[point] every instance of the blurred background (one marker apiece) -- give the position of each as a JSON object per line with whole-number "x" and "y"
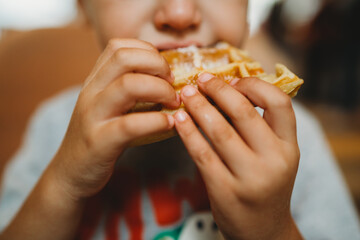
{"x": 46, "y": 46}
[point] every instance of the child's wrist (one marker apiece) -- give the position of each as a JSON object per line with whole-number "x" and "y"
{"x": 76, "y": 176}
{"x": 57, "y": 190}
{"x": 290, "y": 231}
{"x": 56, "y": 185}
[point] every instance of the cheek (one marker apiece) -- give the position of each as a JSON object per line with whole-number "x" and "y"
{"x": 120, "y": 28}
{"x": 117, "y": 27}
{"x": 228, "y": 19}
{"x": 116, "y": 21}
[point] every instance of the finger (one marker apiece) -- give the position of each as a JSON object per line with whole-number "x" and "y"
{"x": 121, "y": 95}
{"x": 122, "y": 130}
{"x": 126, "y": 60}
{"x": 227, "y": 143}
{"x": 114, "y": 45}
{"x": 212, "y": 169}
{"x": 278, "y": 111}
{"x": 247, "y": 121}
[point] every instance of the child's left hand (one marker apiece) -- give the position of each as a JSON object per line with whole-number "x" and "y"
{"x": 251, "y": 167}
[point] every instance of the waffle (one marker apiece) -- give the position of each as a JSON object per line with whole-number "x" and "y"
{"x": 223, "y": 61}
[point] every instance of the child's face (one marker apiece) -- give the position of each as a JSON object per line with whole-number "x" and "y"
{"x": 170, "y": 23}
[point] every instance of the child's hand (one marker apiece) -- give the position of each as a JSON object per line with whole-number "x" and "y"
{"x": 250, "y": 170}
{"x": 128, "y": 71}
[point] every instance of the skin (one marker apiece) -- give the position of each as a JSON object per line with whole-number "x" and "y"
{"x": 256, "y": 176}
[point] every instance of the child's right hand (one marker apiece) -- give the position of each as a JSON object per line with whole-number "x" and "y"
{"x": 128, "y": 71}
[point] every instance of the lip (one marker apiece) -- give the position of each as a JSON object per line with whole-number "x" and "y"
{"x": 174, "y": 45}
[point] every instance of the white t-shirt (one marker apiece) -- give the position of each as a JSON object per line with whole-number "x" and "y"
{"x": 158, "y": 198}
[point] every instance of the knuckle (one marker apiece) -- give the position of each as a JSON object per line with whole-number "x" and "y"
{"x": 222, "y": 132}
{"x": 243, "y": 111}
{"x": 120, "y": 56}
{"x": 113, "y": 44}
{"x": 127, "y": 128}
{"x": 204, "y": 156}
{"x": 291, "y": 155}
{"x": 282, "y": 167}
{"x": 290, "y": 150}
{"x": 188, "y": 131}
{"x": 283, "y": 101}
{"x": 123, "y": 85}
{"x": 125, "y": 82}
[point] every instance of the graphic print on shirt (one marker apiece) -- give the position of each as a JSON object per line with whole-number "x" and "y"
{"x": 200, "y": 226}
{"x": 166, "y": 200}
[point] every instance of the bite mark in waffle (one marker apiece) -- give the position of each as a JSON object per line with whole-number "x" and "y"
{"x": 223, "y": 61}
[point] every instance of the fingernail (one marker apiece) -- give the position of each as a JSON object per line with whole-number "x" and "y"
{"x": 204, "y": 77}
{"x": 180, "y": 116}
{"x": 171, "y": 121}
{"x": 172, "y": 76}
{"x": 188, "y": 91}
{"x": 234, "y": 81}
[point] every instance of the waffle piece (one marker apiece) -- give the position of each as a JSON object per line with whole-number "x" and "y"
{"x": 223, "y": 61}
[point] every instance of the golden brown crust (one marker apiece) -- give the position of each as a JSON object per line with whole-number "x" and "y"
{"x": 223, "y": 61}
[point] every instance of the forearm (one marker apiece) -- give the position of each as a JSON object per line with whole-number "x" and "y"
{"x": 48, "y": 213}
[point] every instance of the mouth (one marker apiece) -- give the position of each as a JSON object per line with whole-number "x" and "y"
{"x": 174, "y": 45}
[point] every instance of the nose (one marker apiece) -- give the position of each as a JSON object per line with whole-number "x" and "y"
{"x": 178, "y": 15}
